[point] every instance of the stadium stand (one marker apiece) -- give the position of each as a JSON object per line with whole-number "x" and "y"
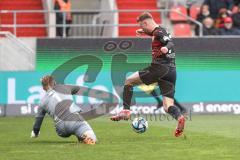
{"x": 182, "y": 30}
{"x": 99, "y": 18}
{"x": 175, "y": 17}
{"x": 194, "y": 11}
{"x": 23, "y": 18}
{"x": 130, "y": 18}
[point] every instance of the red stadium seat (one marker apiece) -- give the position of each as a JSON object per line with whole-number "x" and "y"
{"x": 175, "y": 17}
{"x": 194, "y": 10}
{"x": 130, "y": 18}
{"x": 23, "y": 18}
{"x": 182, "y": 30}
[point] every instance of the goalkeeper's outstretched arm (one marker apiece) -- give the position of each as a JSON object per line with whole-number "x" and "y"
{"x": 38, "y": 122}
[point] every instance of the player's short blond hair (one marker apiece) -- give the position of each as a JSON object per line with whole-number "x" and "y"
{"x": 48, "y": 81}
{"x": 143, "y": 16}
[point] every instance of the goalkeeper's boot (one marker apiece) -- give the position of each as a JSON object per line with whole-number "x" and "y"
{"x": 88, "y": 138}
{"x": 180, "y": 126}
{"x": 123, "y": 115}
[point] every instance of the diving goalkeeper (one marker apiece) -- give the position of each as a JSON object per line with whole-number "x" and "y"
{"x": 66, "y": 114}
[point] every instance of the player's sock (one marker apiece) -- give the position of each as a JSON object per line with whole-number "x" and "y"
{"x": 174, "y": 112}
{"x": 154, "y": 94}
{"x": 182, "y": 109}
{"x": 127, "y": 96}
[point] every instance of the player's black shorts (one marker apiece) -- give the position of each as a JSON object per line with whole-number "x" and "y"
{"x": 163, "y": 74}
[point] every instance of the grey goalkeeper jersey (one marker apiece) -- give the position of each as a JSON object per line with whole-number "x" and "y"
{"x": 59, "y": 106}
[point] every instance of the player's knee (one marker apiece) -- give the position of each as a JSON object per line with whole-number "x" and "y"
{"x": 62, "y": 132}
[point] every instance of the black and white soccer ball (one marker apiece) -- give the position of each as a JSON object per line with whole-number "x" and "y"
{"x": 139, "y": 125}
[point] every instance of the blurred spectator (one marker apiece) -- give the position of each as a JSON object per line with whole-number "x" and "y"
{"x": 204, "y": 13}
{"x": 229, "y": 4}
{"x": 65, "y": 6}
{"x": 215, "y": 6}
{"x": 228, "y": 28}
{"x": 236, "y": 2}
{"x": 223, "y": 13}
{"x": 236, "y": 18}
{"x": 208, "y": 27}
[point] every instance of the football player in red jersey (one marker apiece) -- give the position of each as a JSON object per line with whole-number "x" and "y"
{"x": 162, "y": 71}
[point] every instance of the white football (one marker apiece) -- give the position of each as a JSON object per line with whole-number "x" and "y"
{"x": 139, "y": 125}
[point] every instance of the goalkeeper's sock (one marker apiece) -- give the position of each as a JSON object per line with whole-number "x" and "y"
{"x": 127, "y": 96}
{"x": 174, "y": 112}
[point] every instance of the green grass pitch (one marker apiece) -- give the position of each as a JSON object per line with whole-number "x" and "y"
{"x": 207, "y": 137}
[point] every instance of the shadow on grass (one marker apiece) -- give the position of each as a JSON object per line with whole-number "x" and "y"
{"x": 49, "y": 142}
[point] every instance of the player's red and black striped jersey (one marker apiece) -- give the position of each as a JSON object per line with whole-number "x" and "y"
{"x": 161, "y": 38}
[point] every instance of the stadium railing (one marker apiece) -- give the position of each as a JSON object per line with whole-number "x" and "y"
{"x": 95, "y": 22}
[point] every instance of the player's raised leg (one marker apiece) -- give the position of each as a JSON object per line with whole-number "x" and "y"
{"x": 130, "y": 82}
